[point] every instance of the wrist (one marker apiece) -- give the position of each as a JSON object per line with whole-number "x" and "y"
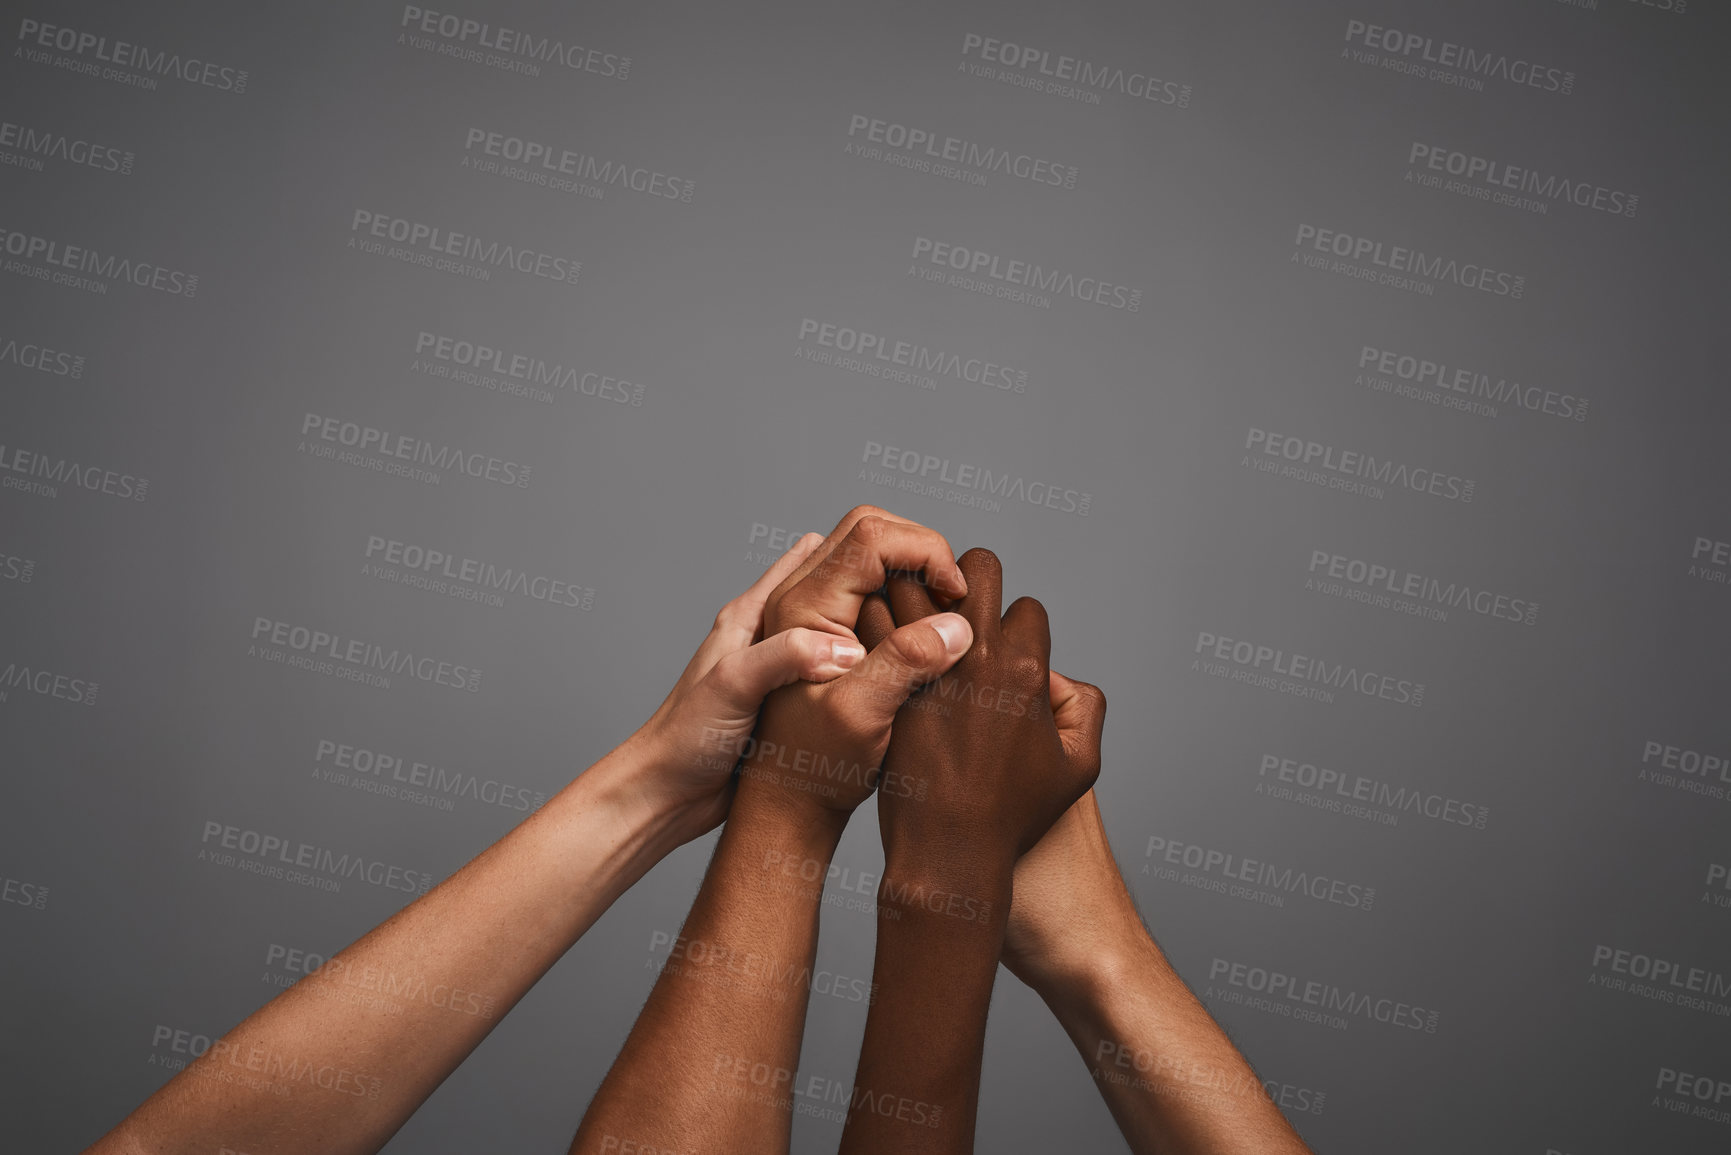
{"x": 626, "y": 788}
{"x": 772, "y": 783}
{"x": 784, "y": 817}
{"x": 678, "y": 786}
{"x": 970, "y": 891}
{"x": 1085, "y": 972}
{"x": 940, "y": 859}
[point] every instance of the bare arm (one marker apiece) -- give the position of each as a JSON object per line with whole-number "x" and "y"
{"x": 338, "y": 1062}
{"x": 1174, "y": 1082}
{"x": 998, "y": 771}
{"x": 709, "y": 1064}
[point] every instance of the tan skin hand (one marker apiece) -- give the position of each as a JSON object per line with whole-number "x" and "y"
{"x": 820, "y": 745}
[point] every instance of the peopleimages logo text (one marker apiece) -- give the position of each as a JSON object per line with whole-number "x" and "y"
{"x": 1259, "y": 873}
{"x": 911, "y": 355}
{"x": 46, "y": 144}
{"x": 934, "y": 470}
{"x": 551, "y": 160}
{"x": 1357, "y": 788}
{"x": 462, "y": 32}
{"x": 105, "y": 268}
{"x": 90, "y": 46}
{"x": 1413, "y": 263}
{"x": 47, "y": 684}
{"x": 1662, "y": 971}
{"x": 1071, "y": 70}
{"x": 967, "y": 153}
{"x": 1025, "y": 274}
{"x": 402, "y": 447}
{"x": 1377, "y": 579}
{"x": 1315, "y": 455}
{"x": 46, "y": 472}
{"x": 1420, "y": 50}
{"x": 364, "y": 655}
{"x": 441, "y": 566}
{"x": 1271, "y": 664}
{"x": 1451, "y": 379}
{"x": 1276, "y": 985}
{"x": 1501, "y": 179}
{"x": 314, "y": 857}
{"x": 30, "y": 355}
{"x": 532, "y": 376}
{"x": 431, "y": 239}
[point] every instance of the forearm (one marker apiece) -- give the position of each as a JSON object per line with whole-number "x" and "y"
{"x": 918, "y": 1083}
{"x": 339, "y": 1061}
{"x": 709, "y": 1064}
{"x": 1172, "y": 1079}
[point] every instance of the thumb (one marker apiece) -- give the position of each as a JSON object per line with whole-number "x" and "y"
{"x": 742, "y": 679}
{"x": 909, "y": 658}
{"x": 1079, "y": 712}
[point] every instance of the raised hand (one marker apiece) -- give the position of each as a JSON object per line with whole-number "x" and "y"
{"x": 819, "y": 745}
{"x": 732, "y": 997}
{"x": 464, "y": 953}
{"x": 993, "y": 771}
{"x": 998, "y": 763}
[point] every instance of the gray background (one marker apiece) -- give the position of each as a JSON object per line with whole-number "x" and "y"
{"x": 652, "y": 506}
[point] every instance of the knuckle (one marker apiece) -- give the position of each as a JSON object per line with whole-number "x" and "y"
{"x": 800, "y": 644}
{"x": 869, "y": 530}
{"x": 812, "y": 651}
{"x": 1091, "y": 698}
{"x": 863, "y": 511}
{"x": 920, "y": 649}
{"x": 728, "y": 669}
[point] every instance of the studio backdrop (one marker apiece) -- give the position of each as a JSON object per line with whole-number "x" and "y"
{"x": 1346, "y": 378}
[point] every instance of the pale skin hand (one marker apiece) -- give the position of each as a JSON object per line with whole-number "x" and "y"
{"x": 1173, "y": 1081}
{"x": 334, "y": 1065}
{"x": 732, "y": 1000}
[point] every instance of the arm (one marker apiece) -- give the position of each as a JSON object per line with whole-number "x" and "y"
{"x": 918, "y": 1082}
{"x": 996, "y": 772}
{"x": 709, "y": 1063}
{"x": 339, "y": 1061}
{"x": 1172, "y": 1079}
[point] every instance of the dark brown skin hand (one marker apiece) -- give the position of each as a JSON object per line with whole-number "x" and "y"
{"x": 985, "y": 737}
{"x": 993, "y": 771}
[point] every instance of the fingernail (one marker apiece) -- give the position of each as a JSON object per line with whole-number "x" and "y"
{"x": 845, "y": 655}
{"x": 955, "y": 631}
{"x": 958, "y": 583}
